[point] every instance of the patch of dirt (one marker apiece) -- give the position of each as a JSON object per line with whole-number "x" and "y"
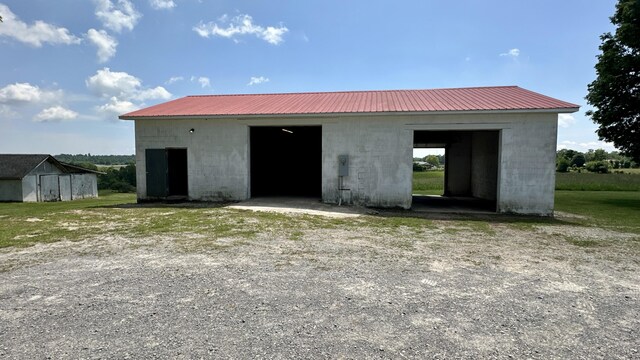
{"x": 500, "y": 292}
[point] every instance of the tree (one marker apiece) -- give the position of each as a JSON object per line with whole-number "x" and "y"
{"x": 563, "y": 165}
{"x": 578, "y": 160}
{"x": 432, "y": 160}
{"x": 599, "y": 155}
{"x": 615, "y": 92}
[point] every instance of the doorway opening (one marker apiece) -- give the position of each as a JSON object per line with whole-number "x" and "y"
{"x": 167, "y": 173}
{"x": 177, "y": 178}
{"x": 469, "y": 174}
{"x": 286, "y": 161}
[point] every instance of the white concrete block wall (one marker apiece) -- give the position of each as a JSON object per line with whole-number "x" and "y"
{"x": 216, "y": 155}
{"x": 527, "y": 165}
{"x": 380, "y": 150}
{"x": 380, "y": 161}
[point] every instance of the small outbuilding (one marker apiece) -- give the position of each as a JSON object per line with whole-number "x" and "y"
{"x": 40, "y": 177}
{"x": 351, "y": 147}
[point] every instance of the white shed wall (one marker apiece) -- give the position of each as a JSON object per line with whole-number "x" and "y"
{"x": 30, "y": 188}
{"x": 380, "y": 155}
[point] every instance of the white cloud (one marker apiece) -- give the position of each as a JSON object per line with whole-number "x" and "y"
{"x": 241, "y": 25}
{"x": 202, "y": 80}
{"x": 107, "y": 83}
{"x": 162, "y": 4}
{"x": 105, "y": 43}
{"x": 56, "y": 113}
{"x": 117, "y": 107}
{"x": 257, "y": 80}
{"x": 122, "y": 90}
{"x": 148, "y": 94}
{"x": 119, "y": 16}
{"x": 566, "y": 120}
{"x": 36, "y": 34}
{"x": 27, "y": 93}
{"x": 174, "y": 79}
{"x": 513, "y": 53}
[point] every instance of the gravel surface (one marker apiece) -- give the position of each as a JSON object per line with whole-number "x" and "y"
{"x": 505, "y": 293}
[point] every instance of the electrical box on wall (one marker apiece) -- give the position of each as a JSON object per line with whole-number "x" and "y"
{"x": 343, "y": 165}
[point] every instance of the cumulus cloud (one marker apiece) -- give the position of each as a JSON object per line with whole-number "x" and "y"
{"x": 35, "y": 34}
{"x": 512, "y": 53}
{"x": 119, "y": 16}
{"x": 202, "y": 80}
{"x": 162, "y": 4}
{"x": 117, "y": 107}
{"x": 105, "y": 43}
{"x": 122, "y": 90}
{"x": 241, "y": 25}
{"x": 174, "y": 79}
{"x": 257, "y": 80}
{"x": 56, "y": 113}
{"x": 566, "y": 120}
{"x": 27, "y": 93}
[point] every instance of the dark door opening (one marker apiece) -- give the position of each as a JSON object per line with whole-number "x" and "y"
{"x": 166, "y": 172}
{"x": 286, "y": 161}
{"x": 177, "y": 178}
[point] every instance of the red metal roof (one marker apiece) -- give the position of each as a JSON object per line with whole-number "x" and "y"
{"x": 459, "y": 99}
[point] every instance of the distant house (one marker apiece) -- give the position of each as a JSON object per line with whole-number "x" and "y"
{"x": 39, "y": 177}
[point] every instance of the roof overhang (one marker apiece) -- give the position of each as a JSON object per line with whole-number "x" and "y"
{"x": 369, "y": 114}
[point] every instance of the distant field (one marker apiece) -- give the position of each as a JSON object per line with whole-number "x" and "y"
{"x": 428, "y": 182}
{"x": 598, "y": 182}
{"x": 432, "y": 182}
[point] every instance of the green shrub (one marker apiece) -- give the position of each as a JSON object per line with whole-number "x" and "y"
{"x": 563, "y": 165}
{"x": 599, "y": 167}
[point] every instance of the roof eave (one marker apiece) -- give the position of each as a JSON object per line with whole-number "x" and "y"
{"x": 411, "y": 113}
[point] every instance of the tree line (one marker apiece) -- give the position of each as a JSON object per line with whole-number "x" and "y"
{"x": 97, "y": 159}
{"x": 117, "y": 178}
{"x": 598, "y": 161}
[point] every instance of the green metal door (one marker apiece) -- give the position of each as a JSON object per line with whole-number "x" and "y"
{"x": 156, "y": 163}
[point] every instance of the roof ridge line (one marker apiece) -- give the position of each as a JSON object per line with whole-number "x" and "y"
{"x": 354, "y": 91}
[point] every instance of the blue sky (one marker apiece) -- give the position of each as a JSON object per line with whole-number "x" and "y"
{"x": 69, "y": 67}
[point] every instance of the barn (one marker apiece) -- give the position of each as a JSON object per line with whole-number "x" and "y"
{"x": 351, "y": 147}
{"x": 40, "y": 177}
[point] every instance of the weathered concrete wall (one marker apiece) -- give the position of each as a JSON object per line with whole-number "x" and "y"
{"x": 30, "y": 188}
{"x": 10, "y": 190}
{"x": 84, "y": 186}
{"x": 527, "y": 165}
{"x": 379, "y": 149}
{"x": 458, "y": 166}
{"x": 484, "y": 164}
{"x": 217, "y": 155}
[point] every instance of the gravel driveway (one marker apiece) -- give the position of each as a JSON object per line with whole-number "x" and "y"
{"x": 500, "y": 292}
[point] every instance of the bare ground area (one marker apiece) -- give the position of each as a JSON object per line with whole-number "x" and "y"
{"x": 452, "y": 289}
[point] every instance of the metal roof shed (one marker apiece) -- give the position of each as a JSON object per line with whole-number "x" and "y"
{"x": 500, "y": 143}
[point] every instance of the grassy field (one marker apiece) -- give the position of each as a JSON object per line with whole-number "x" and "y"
{"x": 617, "y": 210}
{"x": 428, "y": 182}
{"x": 114, "y": 214}
{"x": 598, "y": 182}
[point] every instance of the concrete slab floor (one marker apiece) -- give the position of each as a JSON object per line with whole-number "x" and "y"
{"x": 452, "y": 204}
{"x": 315, "y": 206}
{"x": 298, "y": 205}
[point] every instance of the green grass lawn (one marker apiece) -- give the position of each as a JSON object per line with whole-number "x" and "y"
{"x": 607, "y": 209}
{"x": 428, "y": 182}
{"x": 598, "y": 182}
